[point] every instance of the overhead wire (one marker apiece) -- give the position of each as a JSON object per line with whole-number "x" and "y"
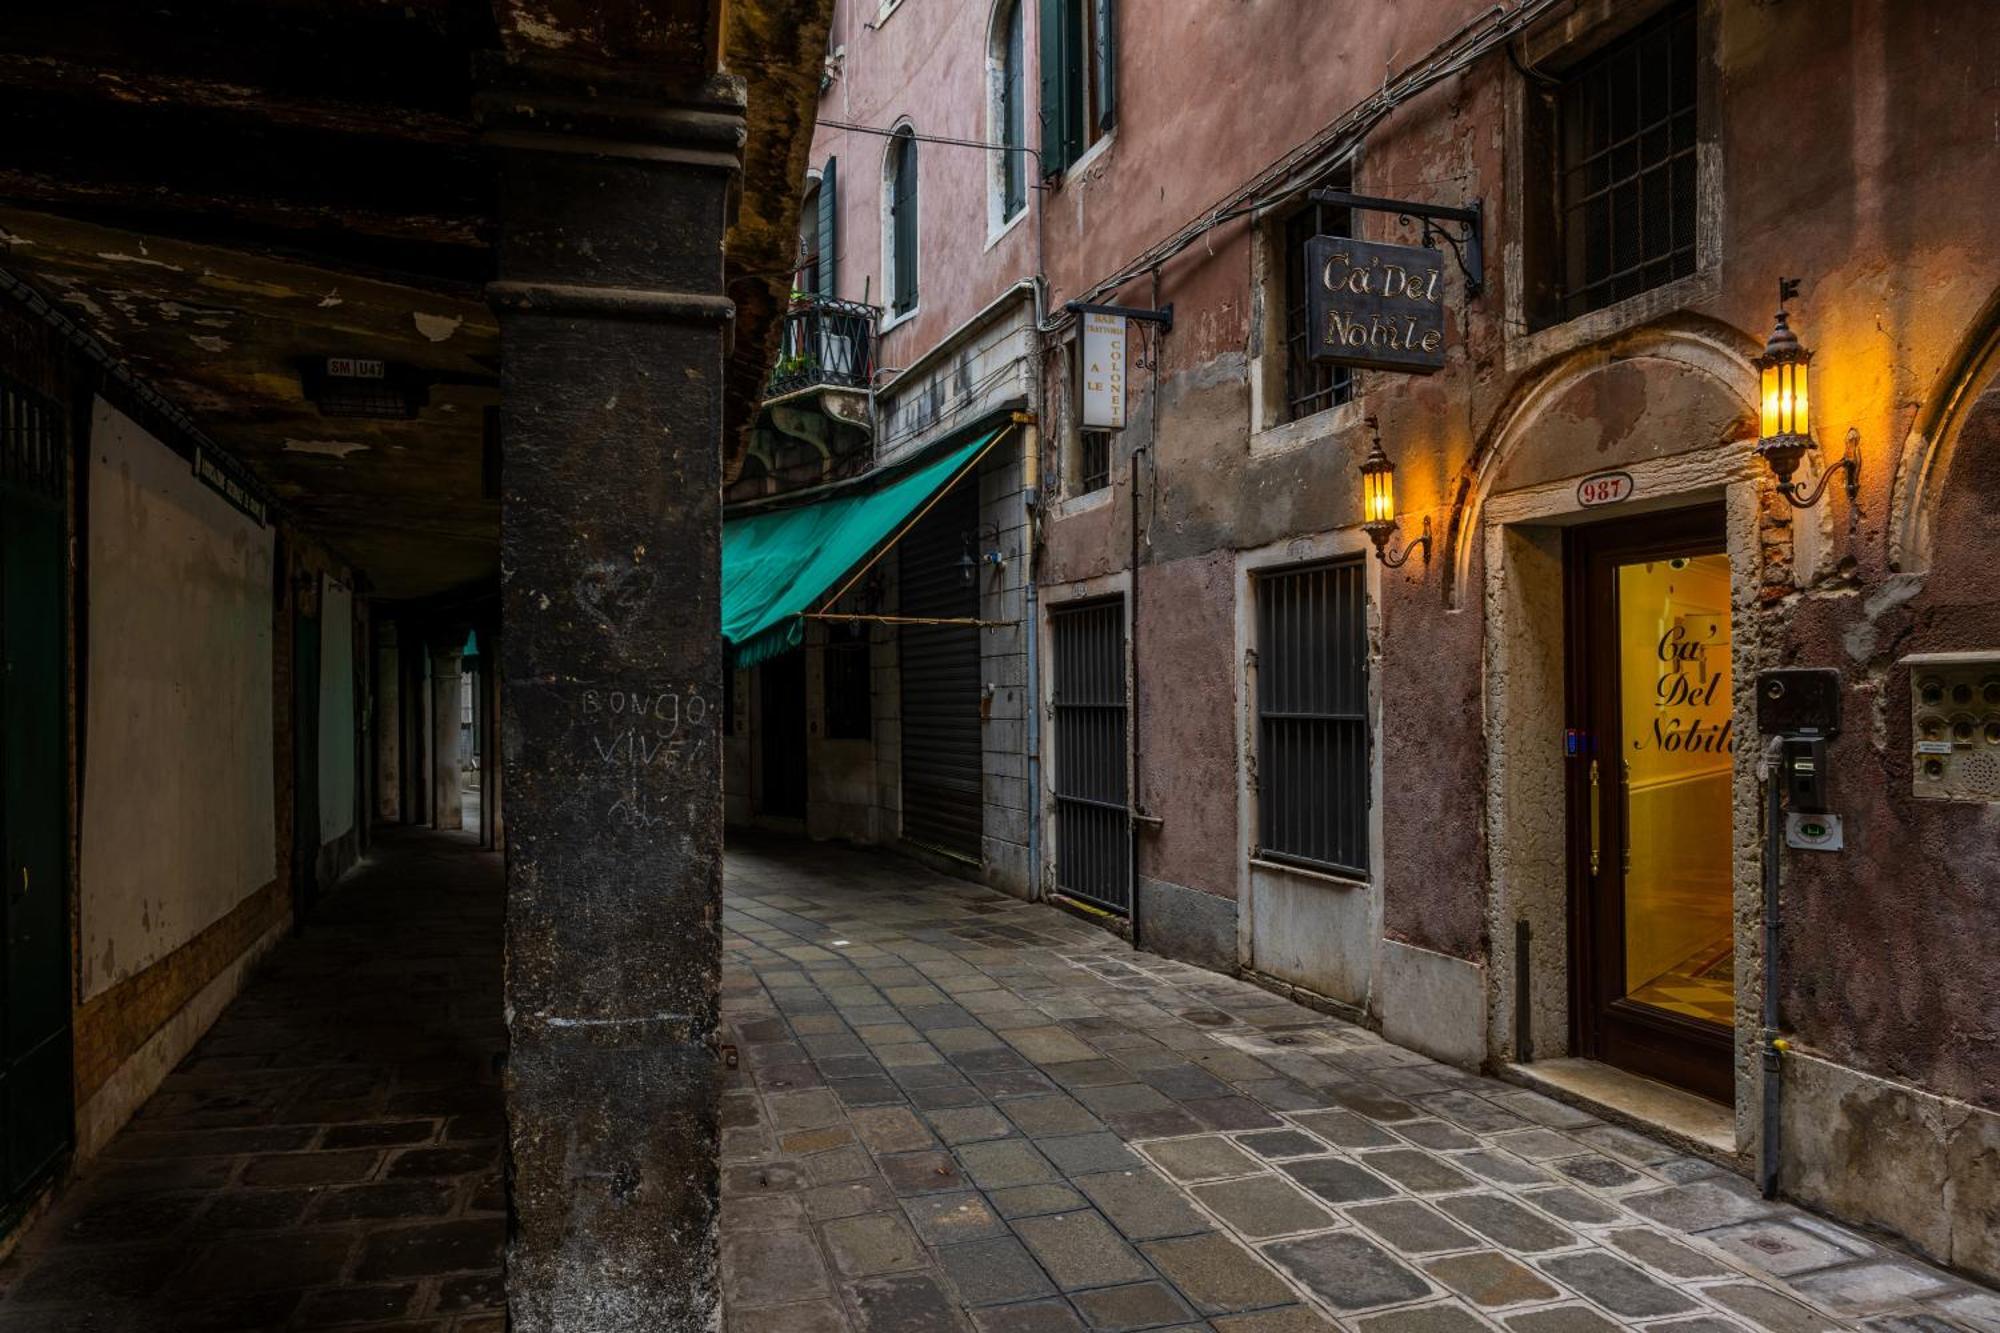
{"x": 1297, "y": 170}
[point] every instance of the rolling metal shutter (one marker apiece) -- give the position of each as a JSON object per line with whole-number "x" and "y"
{"x": 940, "y": 678}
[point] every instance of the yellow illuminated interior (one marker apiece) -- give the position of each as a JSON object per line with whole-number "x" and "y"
{"x": 1675, "y": 702}
{"x": 1786, "y": 409}
{"x": 1379, "y": 496}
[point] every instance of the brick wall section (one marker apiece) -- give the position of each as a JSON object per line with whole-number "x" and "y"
{"x": 111, "y": 1027}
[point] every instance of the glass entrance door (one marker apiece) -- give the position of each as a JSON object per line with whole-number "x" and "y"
{"x": 1651, "y": 782}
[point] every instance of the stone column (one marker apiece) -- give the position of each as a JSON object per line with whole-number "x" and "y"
{"x": 489, "y": 759}
{"x": 388, "y": 787}
{"x": 446, "y": 811}
{"x": 612, "y": 322}
{"x": 418, "y": 811}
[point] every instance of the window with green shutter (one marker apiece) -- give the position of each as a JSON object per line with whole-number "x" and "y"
{"x": 1079, "y": 77}
{"x": 1012, "y": 112}
{"x": 828, "y": 214}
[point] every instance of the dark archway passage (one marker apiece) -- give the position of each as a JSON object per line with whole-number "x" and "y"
{"x": 330, "y": 1150}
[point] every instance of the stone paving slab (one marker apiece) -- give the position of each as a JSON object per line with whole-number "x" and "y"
{"x": 1051, "y": 1133}
{"x": 328, "y": 1155}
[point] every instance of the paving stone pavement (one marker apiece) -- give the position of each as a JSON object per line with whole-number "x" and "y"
{"x": 957, "y": 1111}
{"x": 328, "y": 1155}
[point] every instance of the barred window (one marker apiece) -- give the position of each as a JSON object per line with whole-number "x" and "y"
{"x": 1312, "y": 717}
{"x": 1627, "y": 140}
{"x": 1093, "y": 464}
{"x": 849, "y": 695}
{"x": 1311, "y": 387}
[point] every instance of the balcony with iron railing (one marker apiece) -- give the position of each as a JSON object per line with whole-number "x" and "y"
{"x": 825, "y": 344}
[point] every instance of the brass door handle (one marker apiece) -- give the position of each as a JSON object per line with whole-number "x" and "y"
{"x": 1596, "y": 817}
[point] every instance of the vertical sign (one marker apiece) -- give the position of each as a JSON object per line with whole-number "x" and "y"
{"x": 1103, "y": 372}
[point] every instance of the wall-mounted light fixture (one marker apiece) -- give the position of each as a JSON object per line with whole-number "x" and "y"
{"x": 993, "y": 557}
{"x": 1784, "y": 430}
{"x": 1378, "y": 505}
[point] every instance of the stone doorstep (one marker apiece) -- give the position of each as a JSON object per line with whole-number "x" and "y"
{"x": 1693, "y": 1125}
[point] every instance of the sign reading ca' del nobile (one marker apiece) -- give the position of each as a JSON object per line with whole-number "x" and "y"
{"x": 1376, "y": 306}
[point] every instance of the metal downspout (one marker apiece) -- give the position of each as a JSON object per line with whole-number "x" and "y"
{"x": 1031, "y": 459}
{"x": 1773, "y": 1045}
{"x": 1136, "y": 815}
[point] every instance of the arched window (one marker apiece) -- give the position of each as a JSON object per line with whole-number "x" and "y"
{"x": 806, "y": 279}
{"x": 818, "y": 219}
{"x": 899, "y": 179}
{"x": 1007, "y": 111}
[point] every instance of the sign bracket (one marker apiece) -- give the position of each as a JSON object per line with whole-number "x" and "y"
{"x": 1467, "y": 246}
{"x": 1164, "y": 316}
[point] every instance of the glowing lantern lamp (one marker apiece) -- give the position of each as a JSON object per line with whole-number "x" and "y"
{"x": 1378, "y": 506}
{"x": 1785, "y": 426}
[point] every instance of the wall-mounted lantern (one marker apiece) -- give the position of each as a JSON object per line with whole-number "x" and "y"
{"x": 1785, "y": 421}
{"x": 1378, "y": 506}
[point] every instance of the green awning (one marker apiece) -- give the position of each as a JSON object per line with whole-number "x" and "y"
{"x": 780, "y": 564}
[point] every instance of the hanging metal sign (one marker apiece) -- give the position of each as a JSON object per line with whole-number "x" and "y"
{"x": 1377, "y": 306}
{"x": 1103, "y": 371}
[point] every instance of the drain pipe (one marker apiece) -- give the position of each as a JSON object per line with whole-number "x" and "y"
{"x": 1031, "y": 625}
{"x": 1774, "y": 1045}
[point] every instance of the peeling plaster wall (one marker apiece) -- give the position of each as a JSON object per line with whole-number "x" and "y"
{"x": 177, "y": 784}
{"x": 1885, "y": 150}
{"x": 1883, "y": 944}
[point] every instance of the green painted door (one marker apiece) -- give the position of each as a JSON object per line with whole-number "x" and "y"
{"x": 35, "y": 1093}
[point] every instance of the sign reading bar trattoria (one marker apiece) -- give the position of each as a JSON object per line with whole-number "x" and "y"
{"x": 1377, "y": 306}
{"x": 1103, "y": 371}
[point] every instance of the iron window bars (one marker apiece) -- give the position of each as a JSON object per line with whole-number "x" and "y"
{"x": 1093, "y": 821}
{"x": 1311, "y": 386}
{"x": 1312, "y": 717}
{"x": 1629, "y": 169}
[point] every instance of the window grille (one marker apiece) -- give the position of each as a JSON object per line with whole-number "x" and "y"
{"x": 1628, "y": 166}
{"x": 1312, "y": 718}
{"x": 1093, "y": 471}
{"x": 34, "y": 453}
{"x": 1093, "y": 825}
{"x": 1311, "y": 387}
{"x": 849, "y": 697}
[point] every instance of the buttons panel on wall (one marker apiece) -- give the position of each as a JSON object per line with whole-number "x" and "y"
{"x": 1955, "y": 725}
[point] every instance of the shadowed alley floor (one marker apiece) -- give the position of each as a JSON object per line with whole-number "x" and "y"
{"x": 329, "y": 1152}
{"x": 955, "y": 1110}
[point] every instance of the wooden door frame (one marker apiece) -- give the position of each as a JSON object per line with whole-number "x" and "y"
{"x": 1603, "y": 1024}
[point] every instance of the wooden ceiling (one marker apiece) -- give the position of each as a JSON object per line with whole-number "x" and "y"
{"x": 223, "y": 190}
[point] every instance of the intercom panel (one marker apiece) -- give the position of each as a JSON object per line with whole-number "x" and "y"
{"x": 1955, "y": 725}
{"x": 1798, "y": 701}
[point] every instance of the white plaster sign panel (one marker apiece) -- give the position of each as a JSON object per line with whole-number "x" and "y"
{"x": 177, "y": 783}
{"x": 1103, "y": 372}
{"x": 336, "y": 711}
